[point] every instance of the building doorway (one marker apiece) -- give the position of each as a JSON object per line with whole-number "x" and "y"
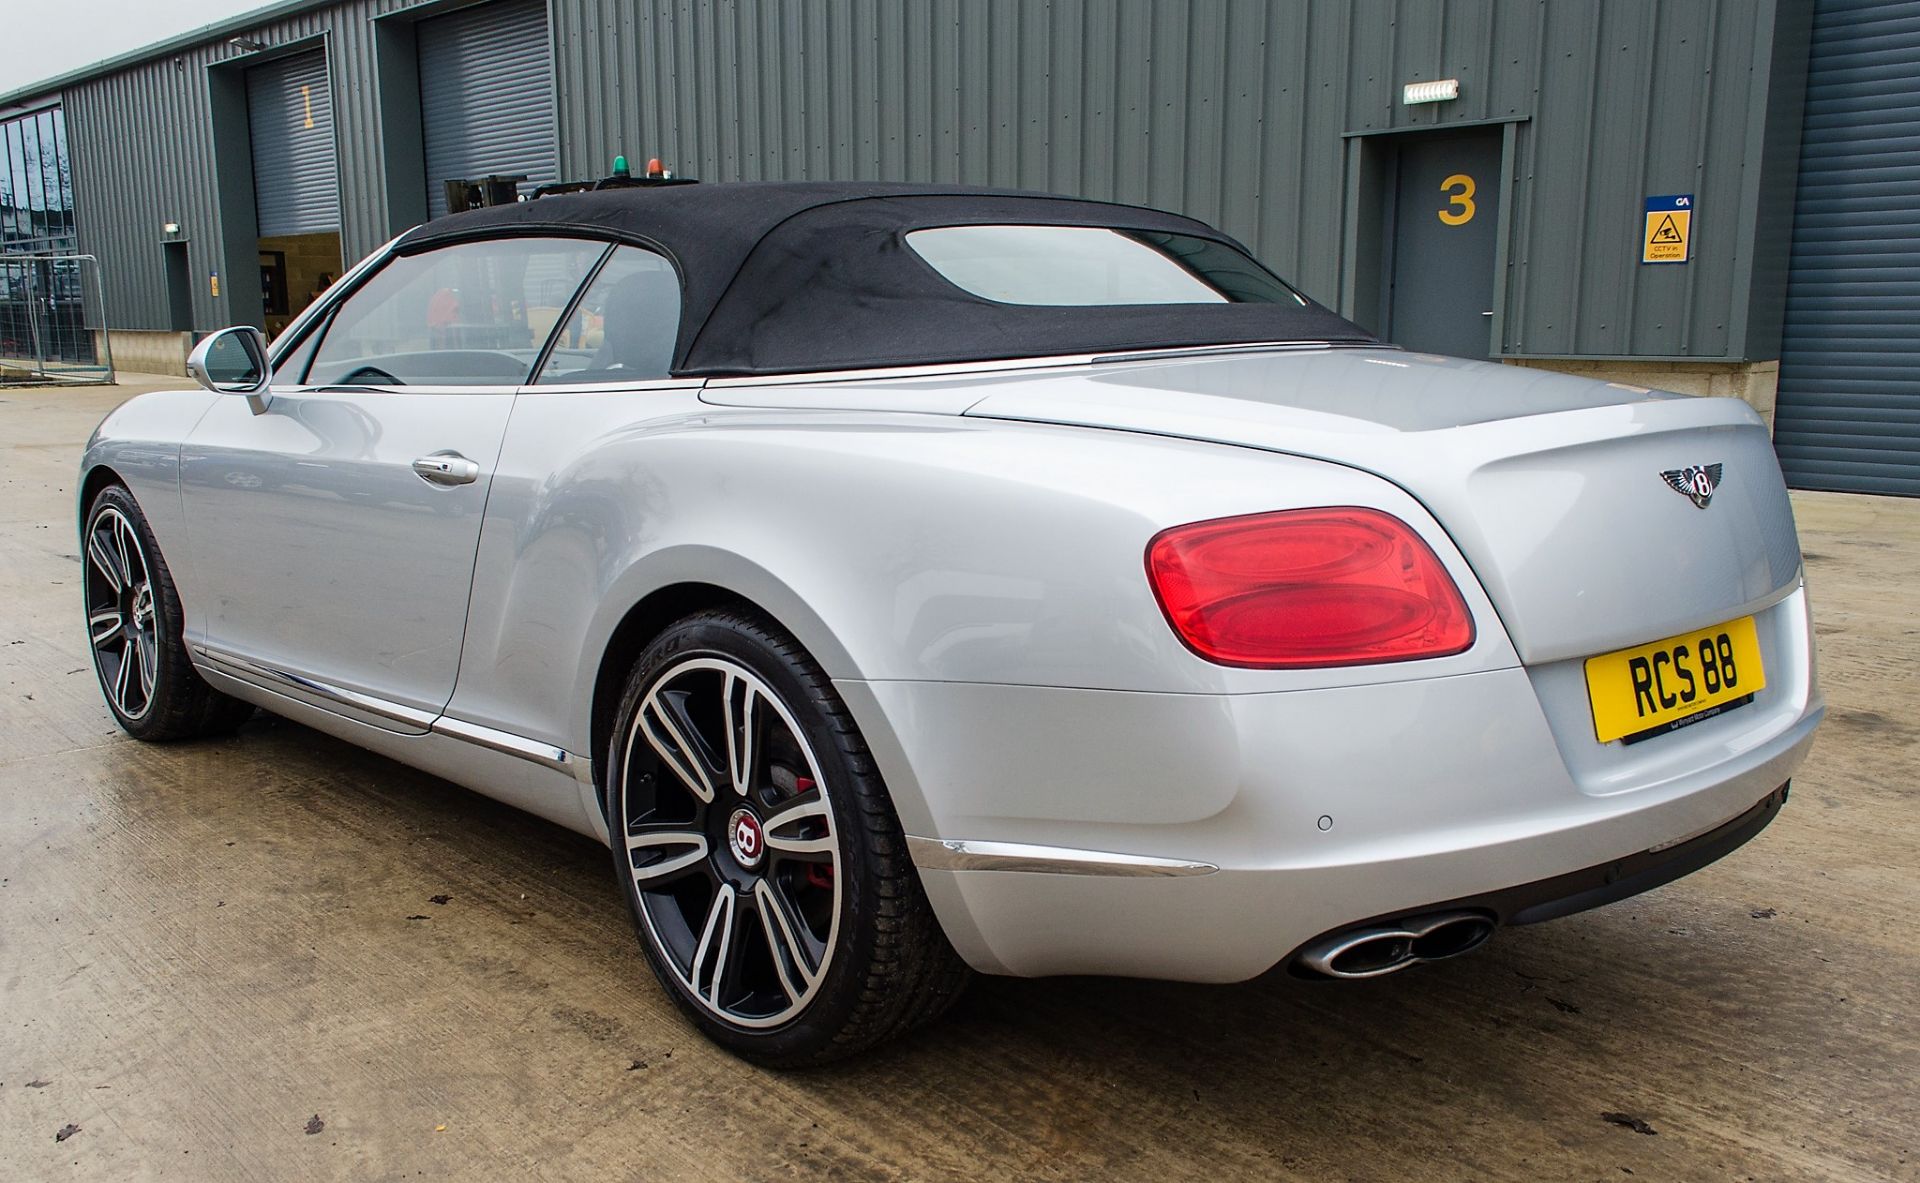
{"x": 296, "y": 185}
{"x": 179, "y": 280}
{"x": 1441, "y": 238}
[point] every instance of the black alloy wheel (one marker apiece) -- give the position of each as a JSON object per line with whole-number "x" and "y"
{"x": 121, "y": 622}
{"x": 763, "y": 862}
{"x": 135, "y": 630}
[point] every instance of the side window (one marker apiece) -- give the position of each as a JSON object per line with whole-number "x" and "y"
{"x": 469, "y": 315}
{"x": 624, "y": 327}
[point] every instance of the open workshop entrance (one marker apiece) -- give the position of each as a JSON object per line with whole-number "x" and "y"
{"x": 296, "y": 188}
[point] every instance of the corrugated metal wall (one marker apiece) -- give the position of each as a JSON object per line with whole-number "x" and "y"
{"x": 1242, "y": 112}
{"x": 142, "y": 144}
{"x": 1849, "y": 406}
{"x": 486, "y": 96}
{"x": 1235, "y": 111}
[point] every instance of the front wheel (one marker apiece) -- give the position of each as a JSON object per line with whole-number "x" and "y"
{"x": 135, "y": 628}
{"x": 756, "y": 845}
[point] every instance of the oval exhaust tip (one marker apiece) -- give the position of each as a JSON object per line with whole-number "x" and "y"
{"x": 1376, "y": 950}
{"x": 1371, "y": 957}
{"x": 1453, "y": 938}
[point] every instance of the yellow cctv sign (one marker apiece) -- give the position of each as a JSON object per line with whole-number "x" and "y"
{"x": 1669, "y": 229}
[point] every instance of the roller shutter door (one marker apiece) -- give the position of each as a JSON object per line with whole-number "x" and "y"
{"x": 1849, "y": 406}
{"x": 296, "y": 182}
{"x": 486, "y": 96}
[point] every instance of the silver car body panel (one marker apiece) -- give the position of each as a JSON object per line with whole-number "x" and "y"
{"x": 317, "y": 549}
{"x": 1551, "y": 485}
{"x": 961, "y": 550}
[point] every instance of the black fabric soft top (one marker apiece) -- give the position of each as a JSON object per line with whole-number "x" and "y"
{"x": 780, "y": 277}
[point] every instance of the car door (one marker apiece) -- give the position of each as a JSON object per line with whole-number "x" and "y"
{"x": 334, "y": 531}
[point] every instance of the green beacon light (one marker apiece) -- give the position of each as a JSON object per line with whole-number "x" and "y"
{"x": 620, "y": 167}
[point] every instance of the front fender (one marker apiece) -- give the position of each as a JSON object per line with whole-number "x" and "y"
{"x": 139, "y": 442}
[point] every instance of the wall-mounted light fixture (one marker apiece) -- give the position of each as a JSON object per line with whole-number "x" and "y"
{"x": 246, "y": 44}
{"x": 1445, "y": 90}
{"x": 170, "y": 228}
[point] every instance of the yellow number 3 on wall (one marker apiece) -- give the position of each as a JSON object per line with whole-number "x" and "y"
{"x": 1460, "y": 207}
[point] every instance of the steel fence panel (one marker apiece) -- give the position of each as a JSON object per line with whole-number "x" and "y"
{"x": 53, "y": 320}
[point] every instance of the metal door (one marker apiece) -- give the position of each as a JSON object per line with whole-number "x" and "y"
{"x": 335, "y": 532}
{"x": 179, "y": 286}
{"x": 486, "y": 96}
{"x": 332, "y": 564}
{"x": 1848, "y": 412}
{"x": 1444, "y": 234}
{"x": 296, "y": 186}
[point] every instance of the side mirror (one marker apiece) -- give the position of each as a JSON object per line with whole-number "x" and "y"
{"x": 232, "y": 361}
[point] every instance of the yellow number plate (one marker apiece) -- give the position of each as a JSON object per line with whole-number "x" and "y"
{"x": 1651, "y": 689}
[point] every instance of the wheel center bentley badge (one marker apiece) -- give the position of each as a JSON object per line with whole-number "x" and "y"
{"x": 1696, "y": 481}
{"x": 743, "y": 834}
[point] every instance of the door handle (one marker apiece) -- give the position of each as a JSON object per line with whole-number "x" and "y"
{"x": 446, "y": 468}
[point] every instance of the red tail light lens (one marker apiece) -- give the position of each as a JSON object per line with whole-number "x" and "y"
{"x": 1307, "y": 588}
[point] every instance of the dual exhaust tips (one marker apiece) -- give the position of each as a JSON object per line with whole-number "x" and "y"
{"x": 1376, "y": 950}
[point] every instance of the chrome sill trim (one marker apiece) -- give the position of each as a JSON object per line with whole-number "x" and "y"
{"x": 545, "y": 754}
{"x": 959, "y": 854}
{"x": 411, "y": 716}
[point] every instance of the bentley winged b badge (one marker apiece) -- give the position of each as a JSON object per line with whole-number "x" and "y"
{"x": 1697, "y": 481}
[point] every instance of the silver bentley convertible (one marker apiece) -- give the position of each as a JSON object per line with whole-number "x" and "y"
{"x": 909, "y": 580}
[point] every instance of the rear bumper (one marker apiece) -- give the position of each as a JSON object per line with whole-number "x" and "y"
{"x": 1563, "y": 895}
{"x": 1260, "y": 822}
{"x": 1593, "y": 887}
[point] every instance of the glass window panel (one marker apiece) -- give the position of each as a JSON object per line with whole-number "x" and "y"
{"x": 65, "y": 164}
{"x": 624, "y": 327}
{"x": 36, "y": 202}
{"x": 15, "y": 162}
{"x": 1083, "y": 266}
{"x": 50, "y": 180}
{"x": 468, "y": 315}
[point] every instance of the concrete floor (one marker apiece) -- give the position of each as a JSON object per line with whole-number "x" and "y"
{"x": 202, "y": 947}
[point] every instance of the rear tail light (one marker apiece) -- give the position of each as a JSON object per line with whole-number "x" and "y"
{"x": 1307, "y": 588}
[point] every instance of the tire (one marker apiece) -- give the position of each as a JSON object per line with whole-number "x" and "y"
{"x": 135, "y": 631}
{"x": 777, "y": 905}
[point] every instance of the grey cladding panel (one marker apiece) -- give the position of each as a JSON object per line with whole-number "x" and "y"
{"x": 1232, "y": 110}
{"x": 1849, "y": 405}
{"x": 296, "y": 186}
{"x": 486, "y": 96}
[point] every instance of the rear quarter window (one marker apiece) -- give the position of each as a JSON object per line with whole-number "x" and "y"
{"x": 1090, "y": 266}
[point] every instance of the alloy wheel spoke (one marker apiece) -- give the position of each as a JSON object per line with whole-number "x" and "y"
{"x": 677, "y": 851}
{"x": 107, "y": 561}
{"x": 668, "y": 736}
{"x": 127, "y": 547}
{"x": 103, "y": 626}
{"x": 716, "y": 945}
{"x": 149, "y": 671}
{"x": 742, "y": 725}
{"x": 123, "y": 677}
{"x": 792, "y": 959}
{"x": 805, "y": 809}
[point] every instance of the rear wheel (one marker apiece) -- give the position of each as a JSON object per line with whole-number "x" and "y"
{"x": 135, "y": 629}
{"x": 756, "y": 845}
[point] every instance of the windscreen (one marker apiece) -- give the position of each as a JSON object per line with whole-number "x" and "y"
{"x": 1088, "y": 266}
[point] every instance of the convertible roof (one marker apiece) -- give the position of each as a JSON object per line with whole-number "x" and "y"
{"x": 791, "y": 277}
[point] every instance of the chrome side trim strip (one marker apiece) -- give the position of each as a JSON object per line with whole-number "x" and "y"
{"x": 962, "y": 854}
{"x": 411, "y": 716}
{"x": 545, "y": 754}
{"x": 505, "y": 741}
{"x": 1012, "y": 364}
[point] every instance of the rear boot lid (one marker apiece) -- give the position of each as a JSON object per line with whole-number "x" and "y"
{"x": 1553, "y": 487}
